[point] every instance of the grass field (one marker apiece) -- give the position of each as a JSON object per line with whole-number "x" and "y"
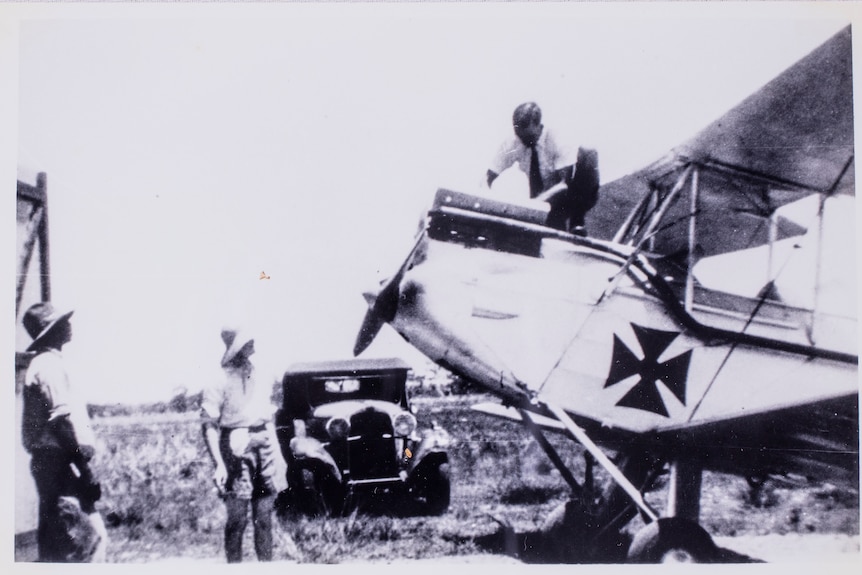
{"x": 158, "y": 501}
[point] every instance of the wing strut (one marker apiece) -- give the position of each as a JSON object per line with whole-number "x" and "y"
{"x": 551, "y": 452}
{"x": 649, "y": 232}
{"x": 609, "y": 465}
{"x": 818, "y": 271}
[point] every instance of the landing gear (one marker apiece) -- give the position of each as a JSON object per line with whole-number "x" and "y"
{"x": 673, "y": 540}
{"x": 677, "y": 538}
{"x": 588, "y": 527}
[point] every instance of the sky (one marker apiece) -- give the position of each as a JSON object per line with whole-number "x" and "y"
{"x": 189, "y": 149}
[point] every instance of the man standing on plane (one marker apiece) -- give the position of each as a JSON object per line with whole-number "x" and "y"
{"x": 569, "y": 185}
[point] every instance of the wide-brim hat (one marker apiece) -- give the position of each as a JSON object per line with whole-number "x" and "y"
{"x": 40, "y": 320}
{"x": 235, "y": 341}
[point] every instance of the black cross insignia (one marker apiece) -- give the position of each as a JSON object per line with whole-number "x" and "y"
{"x": 673, "y": 373}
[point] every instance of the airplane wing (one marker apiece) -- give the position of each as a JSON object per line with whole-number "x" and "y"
{"x": 790, "y": 139}
{"x": 814, "y": 441}
{"x": 796, "y": 131}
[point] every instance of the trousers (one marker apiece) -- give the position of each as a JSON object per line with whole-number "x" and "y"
{"x": 66, "y": 532}
{"x": 250, "y": 480}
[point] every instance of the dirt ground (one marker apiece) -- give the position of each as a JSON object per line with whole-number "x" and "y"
{"x": 795, "y": 547}
{"x": 778, "y": 549}
{"x": 832, "y": 551}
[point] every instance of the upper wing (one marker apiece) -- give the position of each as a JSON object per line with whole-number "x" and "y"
{"x": 796, "y": 130}
{"x": 790, "y": 139}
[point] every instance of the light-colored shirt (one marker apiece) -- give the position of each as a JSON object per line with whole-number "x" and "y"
{"x": 552, "y": 157}
{"x": 239, "y": 400}
{"x": 47, "y": 375}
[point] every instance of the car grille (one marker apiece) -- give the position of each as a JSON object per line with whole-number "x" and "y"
{"x": 371, "y": 448}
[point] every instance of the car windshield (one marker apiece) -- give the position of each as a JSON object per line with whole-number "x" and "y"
{"x": 330, "y": 389}
{"x": 339, "y": 386}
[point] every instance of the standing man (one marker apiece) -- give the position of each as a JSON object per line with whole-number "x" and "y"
{"x": 57, "y": 434}
{"x": 237, "y": 428}
{"x": 569, "y": 185}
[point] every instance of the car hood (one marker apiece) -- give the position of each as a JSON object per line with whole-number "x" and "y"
{"x": 346, "y": 409}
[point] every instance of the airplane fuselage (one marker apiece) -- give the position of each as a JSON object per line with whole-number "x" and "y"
{"x": 582, "y": 324}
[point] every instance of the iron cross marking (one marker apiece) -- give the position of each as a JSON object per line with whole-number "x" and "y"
{"x": 673, "y": 373}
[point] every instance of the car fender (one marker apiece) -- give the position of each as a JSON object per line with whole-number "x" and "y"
{"x": 308, "y": 449}
{"x": 430, "y": 449}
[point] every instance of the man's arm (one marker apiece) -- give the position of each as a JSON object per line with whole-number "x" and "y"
{"x": 567, "y": 174}
{"x": 211, "y": 439}
{"x": 211, "y": 409}
{"x": 564, "y": 177}
{"x": 505, "y": 156}
{"x": 88, "y": 488}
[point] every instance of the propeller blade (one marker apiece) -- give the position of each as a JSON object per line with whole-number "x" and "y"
{"x": 371, "y": 325}
{"x": 385, "y": 305}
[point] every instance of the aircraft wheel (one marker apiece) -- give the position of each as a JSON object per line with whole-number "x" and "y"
{"x": 672, "y": 540}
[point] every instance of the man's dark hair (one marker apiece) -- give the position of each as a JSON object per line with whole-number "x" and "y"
{"x": 526, "y": 114}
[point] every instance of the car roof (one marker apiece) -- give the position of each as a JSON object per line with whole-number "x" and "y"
{"x": 348, "y": 366}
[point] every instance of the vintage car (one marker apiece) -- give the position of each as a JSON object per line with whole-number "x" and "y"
{"x": 350, "y": 437}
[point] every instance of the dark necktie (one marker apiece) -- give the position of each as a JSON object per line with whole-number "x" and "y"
{"x": 535, "y": 174}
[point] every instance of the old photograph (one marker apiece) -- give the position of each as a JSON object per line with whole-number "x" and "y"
{"x": 516, "y": 284}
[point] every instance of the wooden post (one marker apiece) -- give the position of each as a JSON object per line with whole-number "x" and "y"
{"x": 45, "y": 269}
{"x": 25, "y": 257}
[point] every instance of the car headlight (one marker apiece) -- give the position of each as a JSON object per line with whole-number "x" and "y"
{"x": 404, "y": 424}
{"x": 337, "y": 428}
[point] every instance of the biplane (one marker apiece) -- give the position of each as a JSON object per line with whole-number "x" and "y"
{"x": 707, "y": 322}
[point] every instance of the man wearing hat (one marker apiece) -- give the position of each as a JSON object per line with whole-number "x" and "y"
{"x": 237, "y": 428}
{"x": 56, "y": 432}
